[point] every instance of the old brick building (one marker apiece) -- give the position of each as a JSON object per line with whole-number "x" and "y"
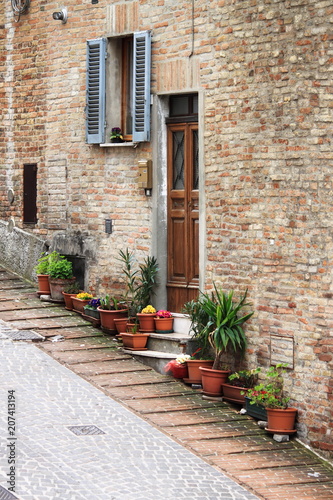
{"x": 231, "y": 112}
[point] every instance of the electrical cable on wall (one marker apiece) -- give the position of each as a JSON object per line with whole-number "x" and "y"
{"x": 20, "y": 7}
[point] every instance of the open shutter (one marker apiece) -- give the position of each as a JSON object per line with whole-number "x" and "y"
{"x": 95, "y": 104}
{"x": 141, "y": 86}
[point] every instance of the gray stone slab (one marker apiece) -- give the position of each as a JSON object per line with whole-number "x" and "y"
{"x": 131, "y": 461}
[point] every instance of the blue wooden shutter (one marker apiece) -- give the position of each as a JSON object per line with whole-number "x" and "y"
{"x": 95, "y": 100}
{"x": 141, "y": 86}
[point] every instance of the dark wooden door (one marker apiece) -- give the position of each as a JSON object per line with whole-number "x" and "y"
{"x": 183, "y": 214}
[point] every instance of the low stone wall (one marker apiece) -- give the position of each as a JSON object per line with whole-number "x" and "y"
{"x": 19, "y": 250}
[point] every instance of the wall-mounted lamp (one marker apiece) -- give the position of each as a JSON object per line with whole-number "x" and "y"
{"x": 61, "y": 16}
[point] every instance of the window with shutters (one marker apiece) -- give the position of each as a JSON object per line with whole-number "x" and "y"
{"x": 118, "y": 88}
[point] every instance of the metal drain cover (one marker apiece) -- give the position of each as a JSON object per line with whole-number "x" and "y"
{"x": 85, "y": 430}
{"x": 6, "y": 495}
{"x": 22, "y": 334}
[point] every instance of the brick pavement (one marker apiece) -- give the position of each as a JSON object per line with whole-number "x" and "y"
{"x": 214, "y": 431}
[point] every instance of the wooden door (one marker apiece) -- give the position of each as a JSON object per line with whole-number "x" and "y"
{"x": 183, "y": 215}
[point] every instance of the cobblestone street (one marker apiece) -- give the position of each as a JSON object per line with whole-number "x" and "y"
{"x": 92, "y": 423}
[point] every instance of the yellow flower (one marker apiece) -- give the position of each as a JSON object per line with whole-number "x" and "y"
{"x": 84, "y": 296}
{"x": 148, "y": 310}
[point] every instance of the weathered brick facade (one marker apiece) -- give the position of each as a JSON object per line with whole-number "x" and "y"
{"x": 263, "y": 72}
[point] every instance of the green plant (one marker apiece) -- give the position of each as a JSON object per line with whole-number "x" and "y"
{"x": 269, "y": 393}
{"x": 244, "y": 378}
{"x": 72, "y": 288}
{"x": 109, "y": 303}
{"x": 44, "y": 262}
{"x": 61, "y": 269}
{"x": 140, "y": 281}
{"x": 199, "y": 319}
{"x": 224, "y": 327}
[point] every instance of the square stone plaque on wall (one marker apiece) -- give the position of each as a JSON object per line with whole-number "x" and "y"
{"x": 282, "y": 350}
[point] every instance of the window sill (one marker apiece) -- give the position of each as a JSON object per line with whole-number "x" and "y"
{"x": 119, "y": 144}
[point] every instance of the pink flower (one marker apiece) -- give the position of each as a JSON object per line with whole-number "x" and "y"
{"x": 163, "y": 314}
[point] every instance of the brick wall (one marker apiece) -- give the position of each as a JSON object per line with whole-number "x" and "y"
{"x": 263, "y": 70}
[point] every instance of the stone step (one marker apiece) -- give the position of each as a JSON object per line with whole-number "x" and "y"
{"x": 155, "y": 359}
{"x": 175, "y": 343}
{"x": 162, "y": 347}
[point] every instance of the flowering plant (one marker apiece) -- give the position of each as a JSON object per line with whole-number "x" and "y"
{"x": 148, "y": 310}
{"x": 116, "y": 133}
{"x": 269, "y": 394}
{"x": 182, "y": 358}
{"x": 84, "y": 296}
{"x": 93, "y": 304}
{"x": 163, "y": 314}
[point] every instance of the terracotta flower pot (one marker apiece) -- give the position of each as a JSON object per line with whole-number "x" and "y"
{"x": 108, "y": 317}
{"x": 147, "y": 322}
{"x": 121, "y": 324}
{"x": 194, "y": 374}
{"x": 212, "y": 381}
{"x": 281, "y": 421}
{"x": 233, "y": 393}
{"x": 78, "y": 304}
{"x": 43, "y": 284}
{"x": 57, "y": 287}
{"x": 68, "y": 300}
{"x": 136, "y": 341}
{"x": 163, "y": 325}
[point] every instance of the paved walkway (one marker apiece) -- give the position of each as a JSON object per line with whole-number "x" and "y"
{"x": 187, "y": 446}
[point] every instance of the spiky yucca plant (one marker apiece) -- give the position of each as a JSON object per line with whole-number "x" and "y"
{"x": 225, "y": 326}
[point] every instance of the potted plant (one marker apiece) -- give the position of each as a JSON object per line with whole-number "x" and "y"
{"x": 61, "y": 274}
{"x": 109, "y": 309}
{"x": 133, "y": 339}
{"x": 146, "y": 319}
{"x": 116, "y": 135}
{"x": 202, "y": 356}
{"x": 225, "y": 333}
{"x": 140, "y": 280}
{"x": 163, "y": 322}
{"x": 177, "y": 367}
{"x": 91, "y": 313}
{"x": 80, "y": 300}
{"x": 270, "y": 395}
{"x": 70, "y": 291}
{"x": 42, "y": 271}
{"x": 238, "y": 384}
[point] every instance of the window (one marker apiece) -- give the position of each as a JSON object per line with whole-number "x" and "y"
{"x": 30, "y": 194}
{"x": 118, "y": 87}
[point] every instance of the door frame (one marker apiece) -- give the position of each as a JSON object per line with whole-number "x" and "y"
{"x": 159, "y": 244}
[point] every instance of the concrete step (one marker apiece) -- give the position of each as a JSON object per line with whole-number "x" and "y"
{"x": 175, "y": 343}
{"x": 155, "y": 359}
{"x": 162, "y": 347}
